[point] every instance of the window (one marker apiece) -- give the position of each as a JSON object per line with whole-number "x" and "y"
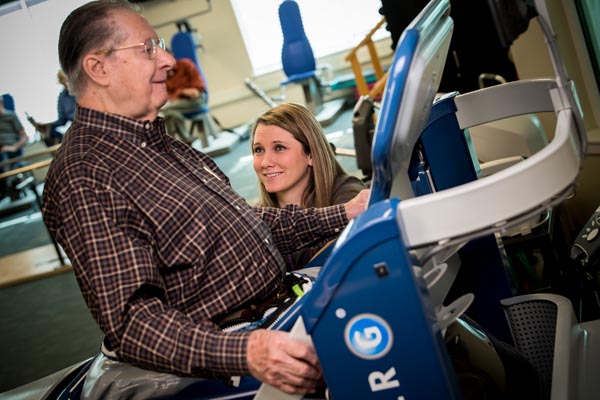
{"x": 30, "y": 55}
{"x": 331, "y": 26}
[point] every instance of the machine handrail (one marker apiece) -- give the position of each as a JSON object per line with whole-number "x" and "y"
{"x": 520, "y": 189}
{"x": 529, "y": 187}
{"x": 504, "y": 101}
{"x": 492, "y": 203}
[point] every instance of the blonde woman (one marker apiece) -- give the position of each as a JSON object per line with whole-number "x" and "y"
{"x": 296, "y": 165}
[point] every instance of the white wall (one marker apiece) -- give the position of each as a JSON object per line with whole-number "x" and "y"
{"x": 30, "y": 58}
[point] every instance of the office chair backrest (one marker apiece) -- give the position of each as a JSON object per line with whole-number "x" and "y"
{"x": 184, "y": 46}
{"x": 9, "y": 102}
{"x": 296, "y": 53}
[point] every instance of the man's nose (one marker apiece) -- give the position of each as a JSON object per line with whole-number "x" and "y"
{"x": 165, "y": 58}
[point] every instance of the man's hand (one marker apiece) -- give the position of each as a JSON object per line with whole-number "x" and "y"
{"x": 285, "y": 363}
{"x": 10, "y": 148}
{"x": 358, "y": 204}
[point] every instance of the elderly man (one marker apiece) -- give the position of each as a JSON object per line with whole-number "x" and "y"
{"x": 161, "y": 245}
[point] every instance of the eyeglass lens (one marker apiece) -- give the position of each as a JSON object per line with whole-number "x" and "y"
{"x": 150, "y": 46}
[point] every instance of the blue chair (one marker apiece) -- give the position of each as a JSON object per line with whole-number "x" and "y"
{"x": 183, "y": 45}
{"x": 9, "y": 102}
{"x": 299, "y": 63}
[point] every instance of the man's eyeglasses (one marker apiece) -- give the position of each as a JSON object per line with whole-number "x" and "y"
{"x": 150, "y": 46}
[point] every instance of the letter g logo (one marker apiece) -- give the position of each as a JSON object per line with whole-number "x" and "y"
{"x": 368, "y": 336}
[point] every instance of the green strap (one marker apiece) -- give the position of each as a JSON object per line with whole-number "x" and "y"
{"x": 296, "y": 288}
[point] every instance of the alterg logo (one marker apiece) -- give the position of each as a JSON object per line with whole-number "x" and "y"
{"x": 368, "y": 336}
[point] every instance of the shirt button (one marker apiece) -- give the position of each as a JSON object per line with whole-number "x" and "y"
{"x": 267, "y": 241}
{"x": 204, "y": 180}
{"x": 147, "y": 125}
{"x": 237, "y": 208}
{"x": 337, "y": 230}
{"x": 143, "y": 144}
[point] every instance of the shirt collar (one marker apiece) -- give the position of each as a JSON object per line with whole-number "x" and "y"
{"x": 144, "y": 130}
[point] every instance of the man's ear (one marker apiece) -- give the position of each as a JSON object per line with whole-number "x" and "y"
{"x": 95, "y": 67}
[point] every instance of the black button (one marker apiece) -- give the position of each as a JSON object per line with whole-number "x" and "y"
{"x": 381, "y": 269}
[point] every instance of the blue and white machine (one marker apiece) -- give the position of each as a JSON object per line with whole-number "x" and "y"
{"x": 376, "y": 312}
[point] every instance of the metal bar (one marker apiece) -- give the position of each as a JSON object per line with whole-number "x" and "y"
{"x": 49, "y": 150}
{"x": 26, "y": 168}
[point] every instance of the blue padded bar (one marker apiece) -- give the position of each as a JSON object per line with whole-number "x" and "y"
{"x": 413, "y": 81}
{"x": 382, "y": 142}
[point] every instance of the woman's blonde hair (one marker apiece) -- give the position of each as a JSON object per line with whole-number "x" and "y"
{"x": 300, "y": 122}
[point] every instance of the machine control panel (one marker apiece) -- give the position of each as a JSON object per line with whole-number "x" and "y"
{"x": 587, "y": 245}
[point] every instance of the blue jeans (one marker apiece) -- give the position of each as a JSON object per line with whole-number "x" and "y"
{"x": 7, "y": 155}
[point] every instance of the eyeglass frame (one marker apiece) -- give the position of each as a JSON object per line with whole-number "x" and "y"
{"x": 150, "y": 51}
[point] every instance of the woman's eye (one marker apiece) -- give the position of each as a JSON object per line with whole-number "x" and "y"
{"x": 279, "y": 148}
{"x": 258, "y": 150}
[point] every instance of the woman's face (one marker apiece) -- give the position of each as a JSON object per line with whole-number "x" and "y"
{"x": 280, "y": 163}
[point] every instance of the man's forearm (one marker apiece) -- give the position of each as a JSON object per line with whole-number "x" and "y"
{"x": 22, "y": 141}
